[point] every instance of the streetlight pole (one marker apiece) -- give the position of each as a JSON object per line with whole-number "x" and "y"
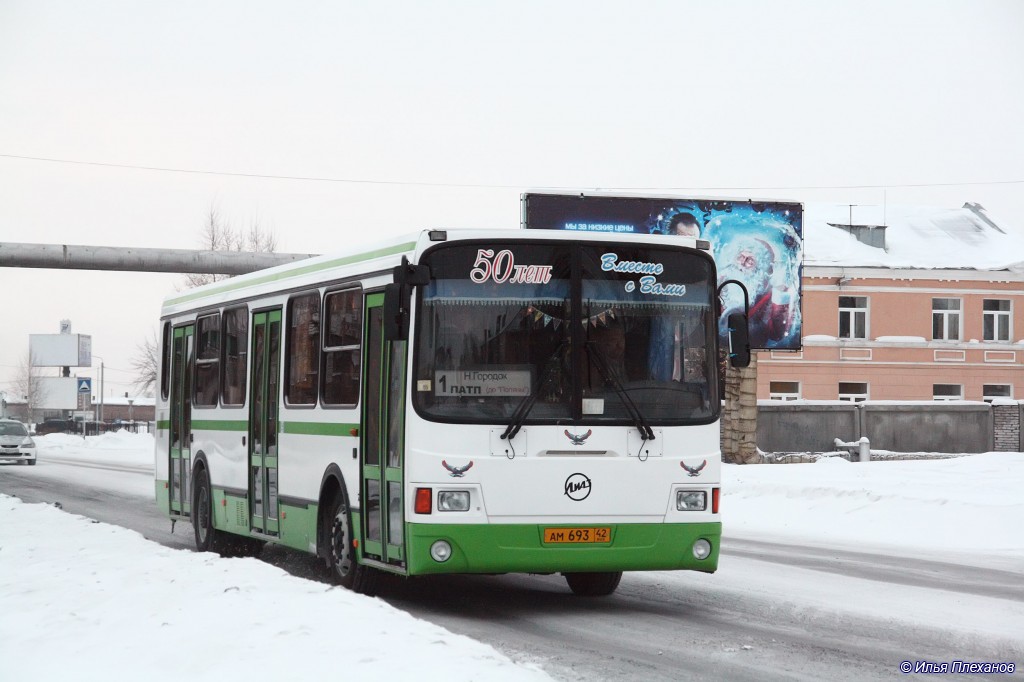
{"x": 100, "y": 418}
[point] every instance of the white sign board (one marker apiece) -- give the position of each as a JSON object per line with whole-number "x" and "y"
{"x": 60, "y": 350}
{"x": 493, "y": 383}
{"x": 58, "y": 393}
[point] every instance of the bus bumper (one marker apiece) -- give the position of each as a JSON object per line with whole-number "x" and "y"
{"x": 499, "y": 548}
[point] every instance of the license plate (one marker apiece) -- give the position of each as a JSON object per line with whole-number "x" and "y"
{"x": 578, "y": 535}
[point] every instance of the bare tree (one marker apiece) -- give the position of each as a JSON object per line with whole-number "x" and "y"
{"x": 218, "y": 235}
{"x": 146, "y": 362}
{"x": 27, "y": 385}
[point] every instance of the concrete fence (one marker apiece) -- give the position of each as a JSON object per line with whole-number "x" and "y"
{"x": 951, "y": 427}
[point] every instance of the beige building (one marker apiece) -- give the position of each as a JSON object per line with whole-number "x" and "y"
{"x": 917, "y": 304}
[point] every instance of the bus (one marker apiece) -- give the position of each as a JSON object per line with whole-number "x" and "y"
{"x": 471, "y": 401}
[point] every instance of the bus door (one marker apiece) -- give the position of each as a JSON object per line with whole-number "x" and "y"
{"x": 383, "y": 440}
{"x": 263, "y": 417}
{"x": 182, "y": 365}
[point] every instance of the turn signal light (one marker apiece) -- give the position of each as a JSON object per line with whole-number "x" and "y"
{"x": 423, "y": 500}
{"x": 714, "y": 500}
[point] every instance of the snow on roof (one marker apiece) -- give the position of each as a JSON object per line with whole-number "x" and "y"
{"x": 915, "y": 237}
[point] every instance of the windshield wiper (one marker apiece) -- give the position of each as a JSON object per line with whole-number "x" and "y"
{"x": 646, "y": 433}
{"x": 522, "y": 410}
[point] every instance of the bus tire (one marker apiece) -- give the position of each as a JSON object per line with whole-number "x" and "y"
{"x": 208, "y": 538}
{"x": 345, "y": 568}
{"x": 593, "y": 584}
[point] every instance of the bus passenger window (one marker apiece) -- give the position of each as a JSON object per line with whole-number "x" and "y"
{"x": 236, "y": 355}
{"x": 303, "y": 359}
{"x": 343, "y": 328}
{"x": 207, "y": 361}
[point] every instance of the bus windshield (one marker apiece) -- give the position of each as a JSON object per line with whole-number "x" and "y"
{"x": 578, "y": 332}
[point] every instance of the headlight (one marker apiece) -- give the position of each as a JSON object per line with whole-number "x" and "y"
{"x": 453, "y": 500}
{"x": 701, "y": 549}
{"x": 28, "y": 443}
{"x": 691, "y": 500}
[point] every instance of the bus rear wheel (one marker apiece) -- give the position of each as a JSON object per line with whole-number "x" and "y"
{"x": 593, "y": 584}
{"x": 341, "y": 557}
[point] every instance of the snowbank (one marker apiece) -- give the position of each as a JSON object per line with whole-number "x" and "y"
{"x": 83, "y": 600}
{"x": 965, "y": 504}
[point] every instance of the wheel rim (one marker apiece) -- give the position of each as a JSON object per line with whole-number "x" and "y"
{"x": 340, "y": 553}
{"x": 203, "y": 513}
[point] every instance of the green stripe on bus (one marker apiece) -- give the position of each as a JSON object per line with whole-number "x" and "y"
{"x": 219, "y": 425}
{"x": 318, "y": 428}
{"x": 304, "y": 270}
{"x": 163, "y": 424}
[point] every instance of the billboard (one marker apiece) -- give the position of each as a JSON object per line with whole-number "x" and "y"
{"x": 759, "y": 243}
{"x": 60, "y": 350}
{"x": 58, "y": 393}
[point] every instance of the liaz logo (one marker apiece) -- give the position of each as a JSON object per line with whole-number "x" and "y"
{"x": 694, "y": 471}
{"x": 577, "y": 487}
{"x": 578, "y": 440}
{"x": 457, "y": 472}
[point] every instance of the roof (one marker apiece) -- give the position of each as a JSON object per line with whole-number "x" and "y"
{"x": 915, "y": 237}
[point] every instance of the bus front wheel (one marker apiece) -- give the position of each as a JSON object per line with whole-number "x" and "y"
{"x": 345, "y": 567}
{"x": 208, "y": 538}
{"x": 593, "y": 584}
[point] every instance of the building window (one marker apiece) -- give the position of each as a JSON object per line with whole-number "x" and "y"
{"x": 996, "y": 319}
{"x": 343, "y": 330}
{"x": 853, "y": 317}
{"x": 990, "y": 392}
{"x": 236, "y": 353}
{"x": 946, "y": 319}
{"x": 947, "y": 392}
{"x": 303, "y": 366}
{"x": 784, "y": 390}
{"x": 207, "y": 361}
{"x": 853, "y": 392}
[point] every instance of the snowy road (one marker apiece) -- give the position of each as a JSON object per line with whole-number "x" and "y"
{"x": 773, "y": 611}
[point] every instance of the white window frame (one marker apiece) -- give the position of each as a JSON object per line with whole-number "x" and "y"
{"x": 775, "y": 394}
{"x": 996, "y": 316}
{"x": 854, "y": 314}
{"x": 851, "y": 397}
{"x": 947, "y": 316}
{"x": 989, "y": 398}
{"x": 959, "y": 396}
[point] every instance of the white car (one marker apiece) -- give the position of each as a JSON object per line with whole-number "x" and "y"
{"x": 15, "y": 442}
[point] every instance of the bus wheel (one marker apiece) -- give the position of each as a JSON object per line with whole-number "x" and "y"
{"x": 345, "y": 569}
{"x": 208, "y": 538}
{"x": 593, "y": 584}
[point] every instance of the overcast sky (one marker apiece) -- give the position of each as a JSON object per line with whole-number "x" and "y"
{"x": 447, "y": 111}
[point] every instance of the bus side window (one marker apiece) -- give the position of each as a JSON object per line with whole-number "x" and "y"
{"x": 343, "y": 322}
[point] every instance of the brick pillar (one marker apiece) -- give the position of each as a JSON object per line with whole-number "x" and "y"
{"x": 1006, "y": 416}
{"x": 739, "y": 417}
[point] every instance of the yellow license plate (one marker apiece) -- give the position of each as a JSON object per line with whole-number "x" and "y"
{"x": 576, "y": 535}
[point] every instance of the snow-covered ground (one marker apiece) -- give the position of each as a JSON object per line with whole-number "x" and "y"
{"x": 93, "y": 598}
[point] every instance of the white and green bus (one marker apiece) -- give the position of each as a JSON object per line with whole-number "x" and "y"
{"x": 473, "y": 401}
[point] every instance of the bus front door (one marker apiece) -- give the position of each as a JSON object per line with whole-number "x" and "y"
{"x": 382, "y": 440}
{"x": 263, "y": 417}
{"x": 182, "y": 364}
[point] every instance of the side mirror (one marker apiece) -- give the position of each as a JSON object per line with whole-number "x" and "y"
{"x": 739, "y": 340}
{"x": 396, "y": 312}
{"x": 396, "y": 298}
